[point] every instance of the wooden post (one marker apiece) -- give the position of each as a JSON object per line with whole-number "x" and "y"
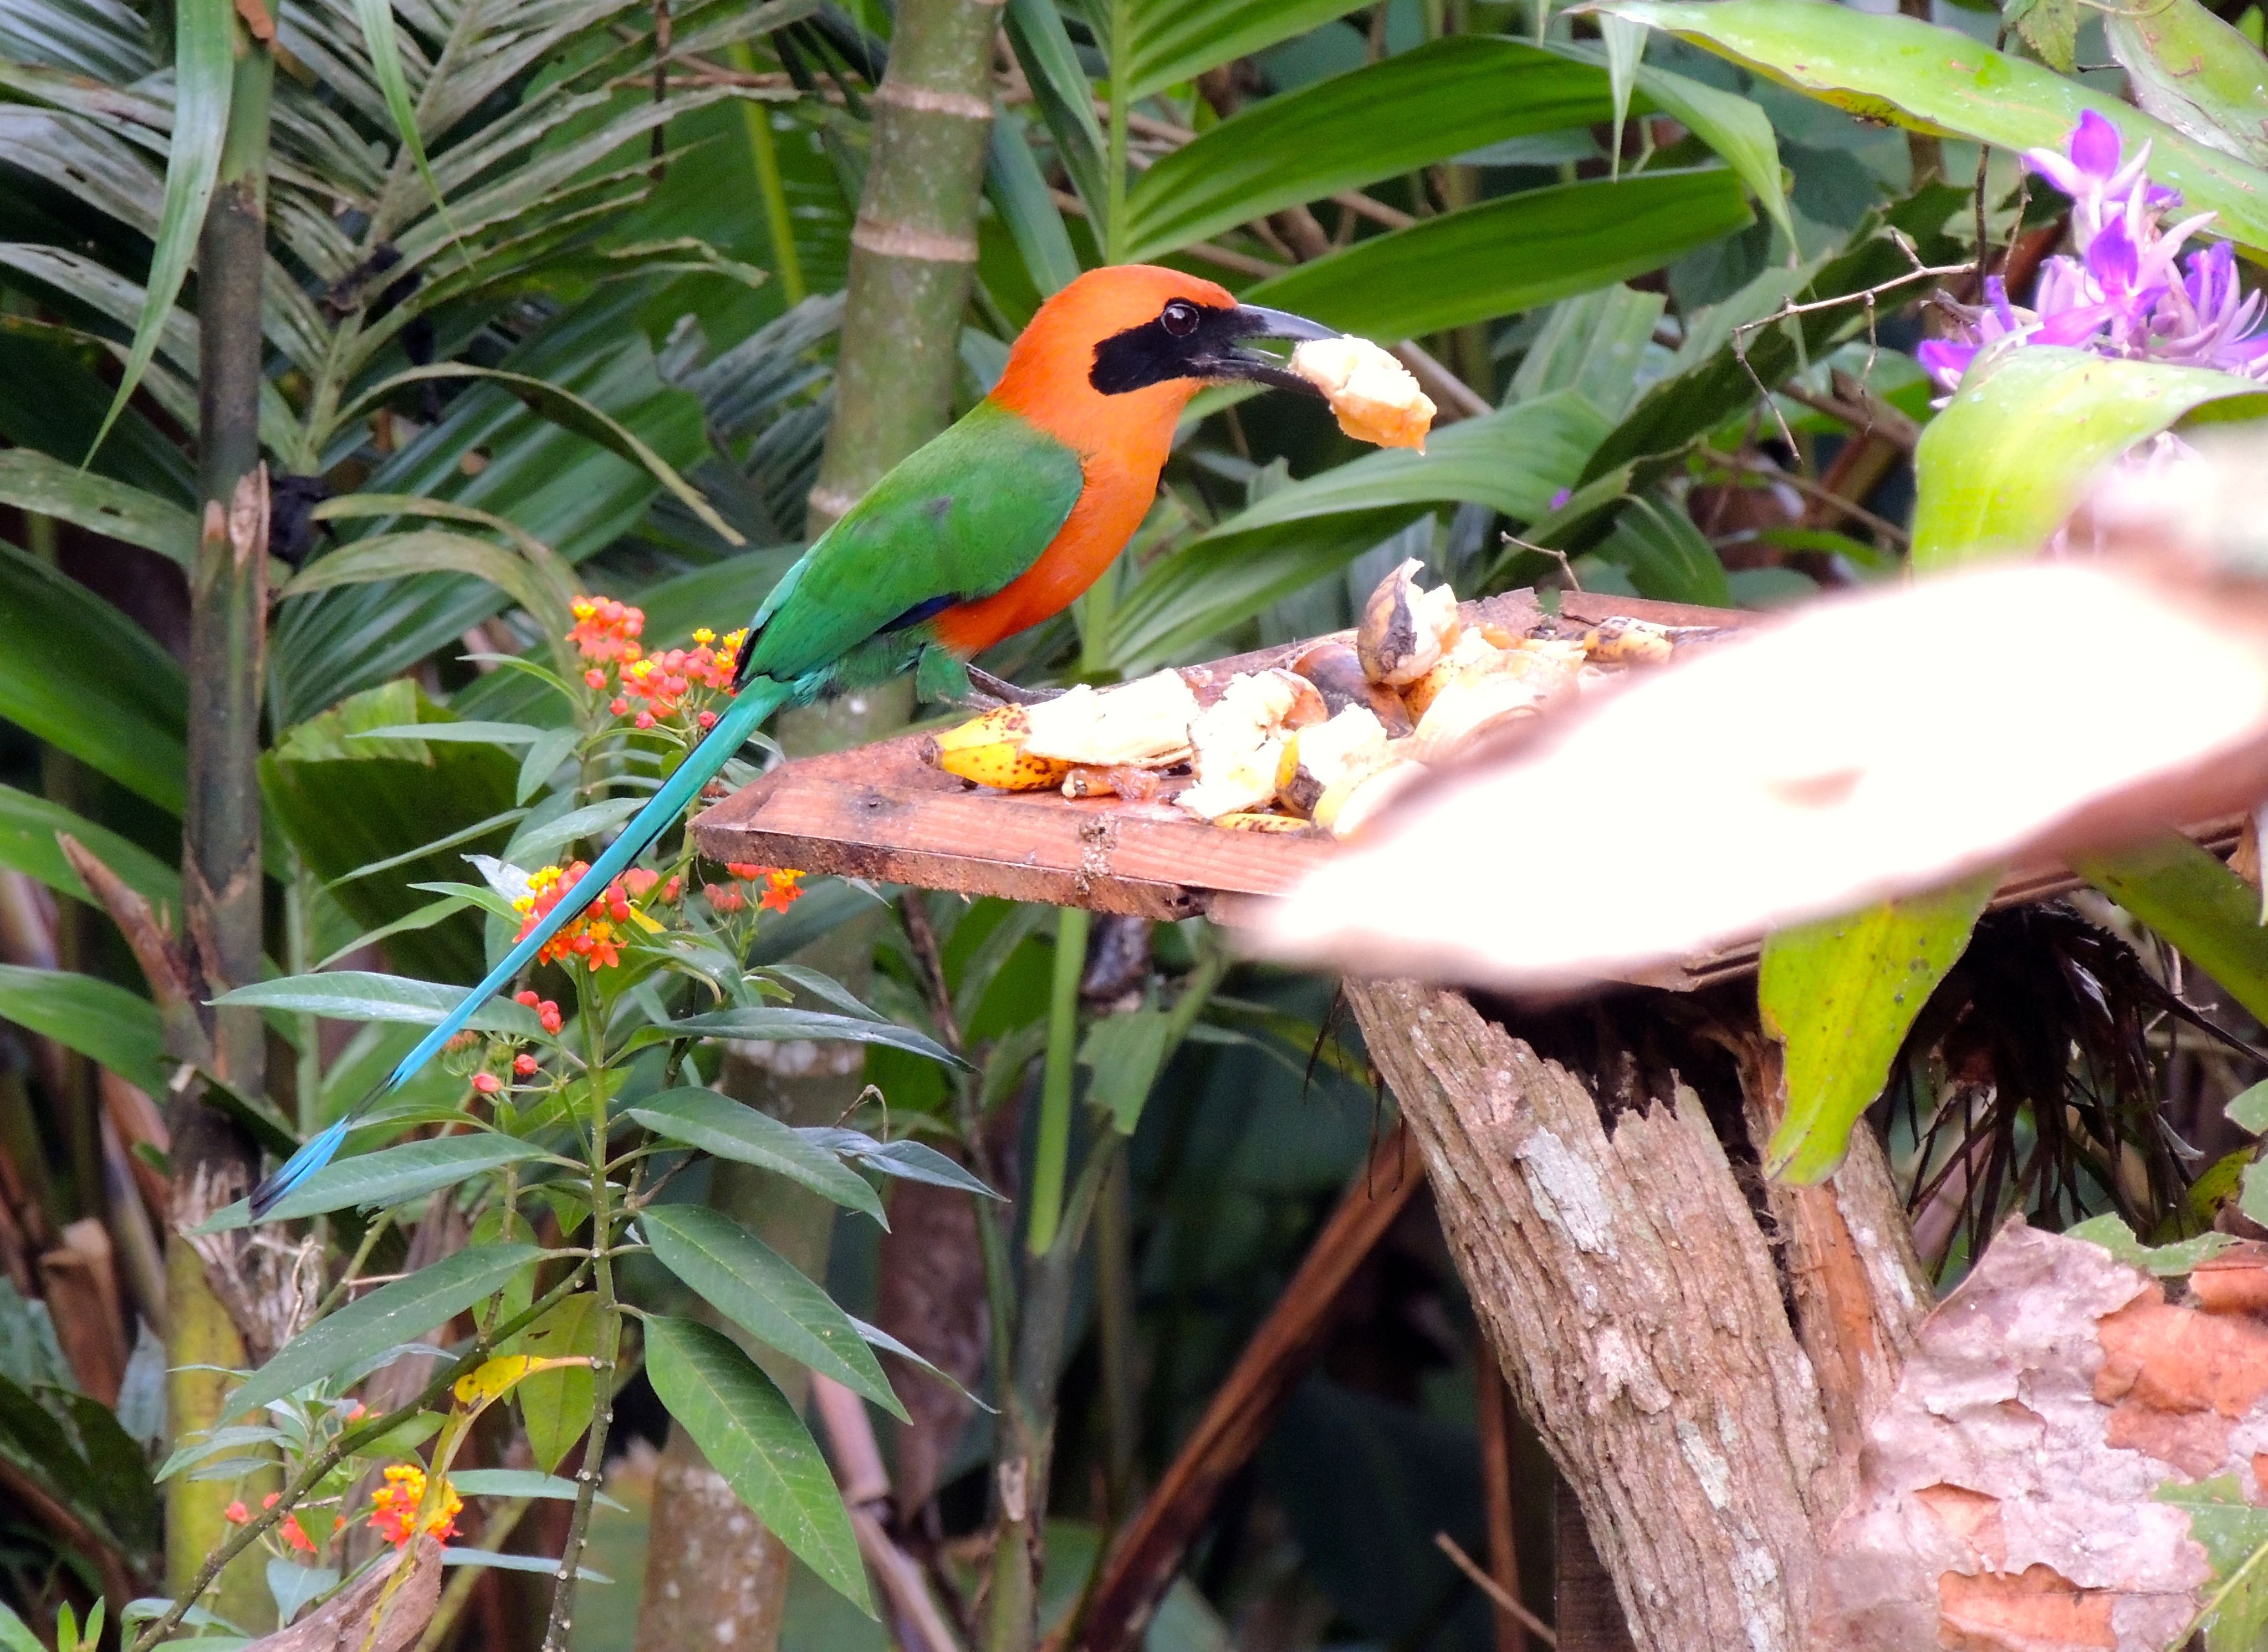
{"x": 1632, "y": 1298}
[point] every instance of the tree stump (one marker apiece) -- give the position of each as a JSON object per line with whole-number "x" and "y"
{"x": 1700, "y": 1394}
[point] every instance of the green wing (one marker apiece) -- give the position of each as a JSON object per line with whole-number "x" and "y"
{"x": 958, "y": 518}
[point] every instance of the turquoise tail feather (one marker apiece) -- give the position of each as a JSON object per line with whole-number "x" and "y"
{"x": 755, "y": 702}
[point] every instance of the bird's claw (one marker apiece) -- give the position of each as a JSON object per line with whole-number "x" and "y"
{"x": 991, "y": 690}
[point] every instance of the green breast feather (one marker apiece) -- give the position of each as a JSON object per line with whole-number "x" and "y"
{"x": 959, "y": 518}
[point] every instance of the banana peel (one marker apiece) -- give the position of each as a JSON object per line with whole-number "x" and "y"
{"x": 990, "y": 751}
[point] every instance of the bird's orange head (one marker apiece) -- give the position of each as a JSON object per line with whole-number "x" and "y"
{"x": 1110, "y": 361}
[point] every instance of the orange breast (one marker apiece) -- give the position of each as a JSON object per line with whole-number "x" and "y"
{"x": 1115, "y": 501}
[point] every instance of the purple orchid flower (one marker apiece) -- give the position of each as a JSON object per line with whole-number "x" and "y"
{"x": 2128, "y": 292}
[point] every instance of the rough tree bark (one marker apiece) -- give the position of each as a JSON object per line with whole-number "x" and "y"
{"x": 1631, "y": 1296}
{"x": 213, "y": 1162}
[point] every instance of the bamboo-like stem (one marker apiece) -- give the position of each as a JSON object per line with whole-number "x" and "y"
{"x": 213, "y": 1161}
{"x": 913, "y": 250}
{"x": 1052, "y": 1153}
{"x": 352, "y": 1440}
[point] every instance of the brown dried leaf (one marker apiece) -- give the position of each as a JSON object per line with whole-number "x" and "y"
{"x": 345, "y": 1622}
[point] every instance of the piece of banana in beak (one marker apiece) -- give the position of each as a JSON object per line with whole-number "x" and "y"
{"x": 1374, "y": 396}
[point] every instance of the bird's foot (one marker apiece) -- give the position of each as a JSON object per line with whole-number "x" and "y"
{"x": 991, "y": 690}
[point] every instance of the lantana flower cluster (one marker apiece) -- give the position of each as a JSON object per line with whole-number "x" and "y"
{"x": 592, "y": 935}
{"x": 294, "y": 1534}
{"x": 650, "y": 689}
{"x": 394, "y": 1506}
{"x": 781, "y": 888}
{"x": 2129, "y": 292}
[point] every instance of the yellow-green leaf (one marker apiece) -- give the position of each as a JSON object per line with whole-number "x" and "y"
{"x": 1841, "y": 994}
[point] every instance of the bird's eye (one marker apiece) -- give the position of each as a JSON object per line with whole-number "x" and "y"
{"x": 1179, "y": 318}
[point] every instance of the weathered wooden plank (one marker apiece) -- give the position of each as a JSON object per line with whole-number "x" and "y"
{"x": 879, "y": 812}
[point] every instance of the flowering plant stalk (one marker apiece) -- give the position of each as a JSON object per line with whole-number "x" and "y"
{"x": 577, "y": 1103}
{"x": 2127, "y": 293}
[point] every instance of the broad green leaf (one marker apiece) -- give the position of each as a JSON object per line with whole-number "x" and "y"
{"x": 570, "y": 411}
{"x": 540, "y": 838}
{"x": 533, "y": 1483}
{"x": 1666, "y": 556}
{"x": 716, "y": 1123}
{"x": 1901, "y": 69}
{"x": 2050, "y": 28}
{"x": 392, "y": 1176}
{"x": 909, "y": 1161}
{"x": 362, "y": 995}
{"x": 1841, "y": 994}
{"x": 1059, "y": 87}
{"x": 2248, "y": 1110}
{"x": 774, "y": 1024}
{"x": 760, "y": 1290}
{"x": 1512, "y": 461}
{"x": 15, "y": 1634}
{"x": 390, "y": 1316}
{"x": 1020, "y": 192}
{"x": 1391, "y": 117}
{"x": 2196, "y": 903}
{"x": 1124, "y": 1053}
{"x": 377, "y": 19}
{"x": 503, "y": 1561}
{"x": 28, "y": 826}
{"x": 472, "y": 733}
{"x": 2194, "y": 72}
{"x": 2173, "y": 1261}
{"x": 1626, "y": 43}
{"x": 1168, "y": 40}
{"x": 752, "y": 1437}
{"x": 2235, "y": 1537}
{"x": 1593, "y": 345}
{"x": 554, "y": 1407}
{"x": 353, "y": 806}
{"x": 79, "y": 675}
{"x": 105, "y": 1023}
{"x": 1510, "y": 253}
{"x": 30, "y": 481}
{"x": 1736, "y": 127}
{"x": 293, "y": 1585}
{"x": 204, "y": 76}
{"x": 1999, "y": 469}
{"x": 434, "y": 551}
{"x": 35, "y": 1442}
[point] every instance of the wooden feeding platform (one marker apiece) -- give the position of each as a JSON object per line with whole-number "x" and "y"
{"x": 879, "y": 812}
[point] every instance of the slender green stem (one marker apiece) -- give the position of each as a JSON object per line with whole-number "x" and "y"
{"x": 1114, "y": 216}
{"x": 610, "y": 1330}
{"x": 765, "y": 155}
{"x": 1049, "y": 1156}
{"x": 370, "y": 1238}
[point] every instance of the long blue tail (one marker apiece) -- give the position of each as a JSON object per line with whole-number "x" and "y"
{"x": 756, "y": 701}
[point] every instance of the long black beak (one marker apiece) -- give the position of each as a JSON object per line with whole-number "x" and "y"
{"x": 1253, "y": 321}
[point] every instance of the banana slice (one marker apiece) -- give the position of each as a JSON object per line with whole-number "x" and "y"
{"x": 1239, "y": 739}
{"x": 1316, "y": 758}
{"x": 1374, "y": 396}
{"x": 1144, "y": 723}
